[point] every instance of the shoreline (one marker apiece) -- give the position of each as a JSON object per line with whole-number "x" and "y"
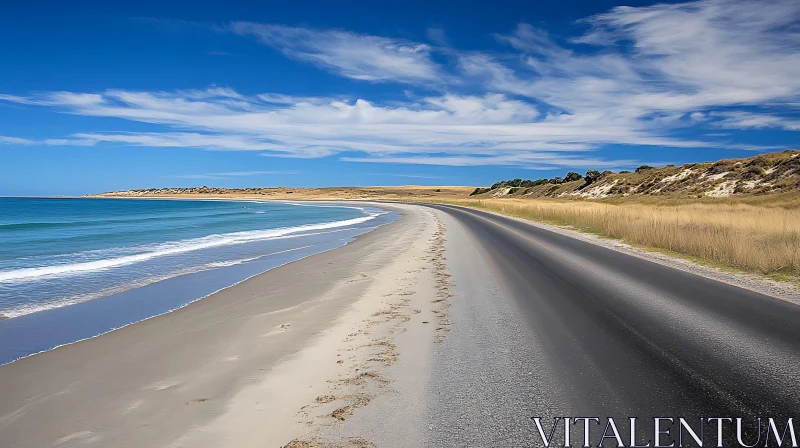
{"x": 172, "y": 310}
{"x": 157, "y": 381}
{"x": 17, "y": 327}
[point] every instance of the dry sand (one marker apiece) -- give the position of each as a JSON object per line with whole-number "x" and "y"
{"x": 280, "y": 359}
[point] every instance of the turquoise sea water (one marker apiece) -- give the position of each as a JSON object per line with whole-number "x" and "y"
{"x": 59, "y": 255}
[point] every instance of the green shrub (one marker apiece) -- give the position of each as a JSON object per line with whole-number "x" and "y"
{"x": 592, "y": 175}
{"x": 479, "y": 190}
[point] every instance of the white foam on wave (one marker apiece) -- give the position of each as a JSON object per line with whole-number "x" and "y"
{"x": 173, "y": 248}
{"x": 30, "y": 308}
{"x": 151, "y": 317}
{"x": 377, "y": 212}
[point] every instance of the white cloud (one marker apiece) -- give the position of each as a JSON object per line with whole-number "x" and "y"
{"x": 496, "y": 128}
{"x": 548, "y": 101}
{"x": 660, "y": 59}
{"x": 357, "y": 56}
{"x": 749, "y": 120}
{"x": 491, "y": 129}
{"x": 707, "y": 53}
{"x": 532, "y": 161}
{"x": 17, "y": 141}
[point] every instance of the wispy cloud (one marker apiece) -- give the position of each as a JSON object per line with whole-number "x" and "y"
{"x": 498, "y": 129}
{"x": 749, "y": 120}
{"x": 540, "y": 161}
{"x": 14, "y": 141}
{"x": 662, "y": 59}
{"x": 635, "y": 78}
{"x": 17, "y": 141}
{"x": 357, "y": 56}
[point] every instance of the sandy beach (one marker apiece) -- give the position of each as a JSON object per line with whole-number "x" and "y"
{"x": 272, "y": 361}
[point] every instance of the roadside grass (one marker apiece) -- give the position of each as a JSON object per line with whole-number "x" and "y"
{"x": 762, "y": 236}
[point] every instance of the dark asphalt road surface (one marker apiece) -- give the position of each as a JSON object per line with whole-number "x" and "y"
{"x": 546, "y": 325}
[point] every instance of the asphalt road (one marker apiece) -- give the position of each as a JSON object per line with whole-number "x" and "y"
{"x": 546, "y": 325}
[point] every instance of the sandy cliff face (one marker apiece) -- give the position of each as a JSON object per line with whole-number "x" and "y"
{"x": 763, "y": 174}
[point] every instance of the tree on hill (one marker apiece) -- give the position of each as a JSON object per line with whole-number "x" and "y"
{"x": 644, "y": 168}
{"x": 572, "y": 176}
{"x": 592, "y": 175}
{"x": 479, "y": 190}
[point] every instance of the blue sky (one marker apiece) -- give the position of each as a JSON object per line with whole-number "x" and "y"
{"x": 100, "y": 96}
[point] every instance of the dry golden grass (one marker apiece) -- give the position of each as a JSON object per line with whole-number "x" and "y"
{"x": 762, "y": 238}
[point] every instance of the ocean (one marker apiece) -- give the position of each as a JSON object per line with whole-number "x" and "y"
{"x": 71, "y": 269}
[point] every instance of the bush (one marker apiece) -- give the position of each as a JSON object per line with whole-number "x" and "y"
{"x": 759, "y": 161}
{"x": 720, "y": 167}
{"x": 572, "y": 176}
{"x": 644, "y": 168}
{"x": 480, "y": 190}
{"x": 592, "y": 175}
{"x": 753, "y": 171}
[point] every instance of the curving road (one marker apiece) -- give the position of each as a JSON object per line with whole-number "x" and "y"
{"x": 547, "y": 325}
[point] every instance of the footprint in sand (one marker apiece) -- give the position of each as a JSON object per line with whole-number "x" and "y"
{"x": 84, "y": 436}
{"x": 162, "y": 385}
{"x": 133, "y": 406}
{"x": 279, "y": 329}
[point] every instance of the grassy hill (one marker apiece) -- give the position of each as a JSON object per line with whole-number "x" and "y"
{"x": 760, "y": 175}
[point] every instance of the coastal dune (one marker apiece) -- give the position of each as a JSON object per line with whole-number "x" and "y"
{"x": 240, "y": 367}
